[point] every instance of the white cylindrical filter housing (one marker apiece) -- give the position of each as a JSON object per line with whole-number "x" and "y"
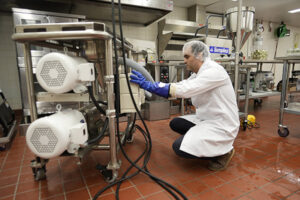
{"x": 58, "y": 73}
{"x": 50, "y": 136}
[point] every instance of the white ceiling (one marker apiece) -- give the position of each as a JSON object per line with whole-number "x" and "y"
{"x": 267, "y": 10}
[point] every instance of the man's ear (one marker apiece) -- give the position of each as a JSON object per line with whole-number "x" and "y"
{"x": 199, "y": 56}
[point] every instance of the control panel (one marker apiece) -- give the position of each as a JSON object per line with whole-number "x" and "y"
{"x": 164, "y": 74}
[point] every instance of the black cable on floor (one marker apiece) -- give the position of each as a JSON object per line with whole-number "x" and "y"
{"x": 146, "y": 134}
{"x": 146, "y": 171}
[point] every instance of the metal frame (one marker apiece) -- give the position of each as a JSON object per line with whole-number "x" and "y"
{"x": 53, "y": 33}
{"x": 284, "y": 105}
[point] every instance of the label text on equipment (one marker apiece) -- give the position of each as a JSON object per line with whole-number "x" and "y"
{"x": 220, "y": 50}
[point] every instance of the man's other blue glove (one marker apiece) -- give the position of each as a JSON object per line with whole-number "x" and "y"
{"x": 159, "y": 88}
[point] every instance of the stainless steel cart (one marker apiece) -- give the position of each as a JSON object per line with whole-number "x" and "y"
{"x": 285, "y": 106}
{"x": 98, "y": 45}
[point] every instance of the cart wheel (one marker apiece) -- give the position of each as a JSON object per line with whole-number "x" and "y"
{"x": 258, "y": 102}
{"x": 40, "y": 174}
{"x": 244, "y": 126}
{"x": 130, "y": 138}
{"x": 107, "y": 173}
{"x": 285, "y": 132}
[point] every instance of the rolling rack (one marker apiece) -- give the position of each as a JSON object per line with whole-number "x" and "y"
{"x": 98, "y": 46}
{"x": 285, "y": 106}
{"x": 249, "y": 64}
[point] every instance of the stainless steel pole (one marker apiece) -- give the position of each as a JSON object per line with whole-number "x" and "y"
{"x": 284, "y": 88}
{"x": 237, "y": 49}
{"x": 29, "y": 81}
{"x": 111, "y": 112}
{"x": 247, "y": 93}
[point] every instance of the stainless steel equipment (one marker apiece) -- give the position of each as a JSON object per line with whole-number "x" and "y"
{"x": 133, "y": 11}
{"x": 218, "y": 47}
{"x": 82, "y": 38}
{"x": 285, "y": 106}
{"x": 246, "y": 23}
{"x": 170, "y": 30}
{"x": 263, "y": 81}
{"x": 158, "y": 108}
{"x": 25, "y": 16}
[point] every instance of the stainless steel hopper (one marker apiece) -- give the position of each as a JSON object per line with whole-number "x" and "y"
{"x": 246, "y": 23}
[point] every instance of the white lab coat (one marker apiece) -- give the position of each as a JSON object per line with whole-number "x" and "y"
{"x": 216, "y": 118}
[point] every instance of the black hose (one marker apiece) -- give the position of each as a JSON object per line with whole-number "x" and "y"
{"x": 90, "y": 90}
{"x": 119, "y": 182}
{"x": 146, "y": 134}
{"x": 159, "y": 181}
{"x": 220, "y": 31}
{"x": 101, "y": 134}
{"x": 198, "y": 29}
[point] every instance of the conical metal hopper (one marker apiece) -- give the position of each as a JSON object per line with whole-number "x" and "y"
{"x": 246, "y": 23}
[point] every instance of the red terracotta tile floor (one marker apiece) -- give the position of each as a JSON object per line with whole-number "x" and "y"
{"x": 265, "y": 166}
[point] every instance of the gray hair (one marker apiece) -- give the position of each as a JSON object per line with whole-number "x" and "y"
{"x": 198, "y": 48}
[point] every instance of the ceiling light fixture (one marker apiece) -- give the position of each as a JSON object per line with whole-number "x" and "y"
{"x": 294, "y": 11}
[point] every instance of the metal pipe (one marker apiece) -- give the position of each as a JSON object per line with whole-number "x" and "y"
{"x": 206, "y": 22}
{"x": 111, "y": 112}
{"x": 283, "y": 92}
{"x": 237, "y": 49}
{"x": 247, "y": 93}
{"x": 220, "y": 31}
{"x": 198, "y": 29}
{"x": 101, "y": 147}
{"x": 29, "y": 81}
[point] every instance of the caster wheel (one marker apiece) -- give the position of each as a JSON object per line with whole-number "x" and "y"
{"x": 258, "y": 102}
{"x": 107, "y": 173}
{"x": 283, "y": 132}
{"x": 40, "y": 174}
{"x": 244, "y": 126}
{"x": 130, "y": 136}
{"x": 130, "y": 139}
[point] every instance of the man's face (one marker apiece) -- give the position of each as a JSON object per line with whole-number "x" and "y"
{"x": 193, "y": 64}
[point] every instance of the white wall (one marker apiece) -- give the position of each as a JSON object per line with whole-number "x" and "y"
{"x": 269, "y": 44}
{"x": 9, "y": 78}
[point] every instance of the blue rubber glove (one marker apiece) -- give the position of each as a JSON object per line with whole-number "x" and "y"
{"x": 159, "y": 88}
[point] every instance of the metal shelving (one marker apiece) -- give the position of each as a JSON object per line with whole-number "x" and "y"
{"x": 285, "y": 106}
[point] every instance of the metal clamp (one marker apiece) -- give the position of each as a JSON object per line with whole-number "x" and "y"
{"x": 111, "y": 113}
{"x": 109, "y": 79}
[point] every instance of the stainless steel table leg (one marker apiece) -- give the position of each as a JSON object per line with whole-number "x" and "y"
{"x": 114, "y": 165}
{"x": 247, "y": 96}
{"x": 283, "y": 92}
{"x": 29, "y": 82}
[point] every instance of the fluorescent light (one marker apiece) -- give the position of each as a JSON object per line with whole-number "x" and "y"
{"x": 294, "y": 11}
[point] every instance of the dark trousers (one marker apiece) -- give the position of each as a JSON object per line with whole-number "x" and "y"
{"x": 181, "y": 126}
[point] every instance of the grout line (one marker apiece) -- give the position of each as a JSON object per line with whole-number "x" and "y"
{"x": 40, "y": 190}
{"x": 62, "y": 181}
{"x": 86, "y": 186}
{"x": 4, "y": 160}
{"x": 19, "y": 175}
